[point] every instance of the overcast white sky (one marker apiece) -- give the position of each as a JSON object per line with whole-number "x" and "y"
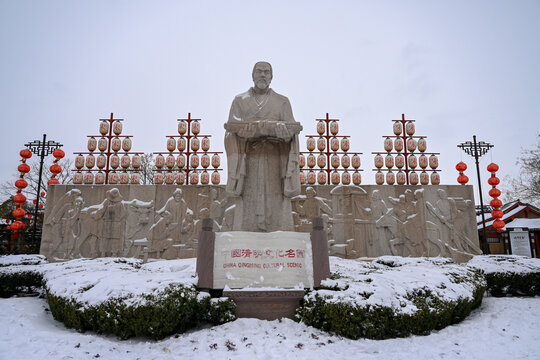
{"x": 460, "y": 68}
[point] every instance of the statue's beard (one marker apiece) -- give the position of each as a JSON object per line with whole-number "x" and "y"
{"x": 262, "y": 84}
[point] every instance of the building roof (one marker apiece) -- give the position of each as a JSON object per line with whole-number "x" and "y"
{"x": 531, "y": 224}
{"x": 511, "y": 211}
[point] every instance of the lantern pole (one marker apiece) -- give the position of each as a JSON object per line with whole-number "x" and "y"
{"x": 41, "y": 149}
{"x": 477, "y": 149}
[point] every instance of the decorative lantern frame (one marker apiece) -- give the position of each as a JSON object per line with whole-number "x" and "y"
{"x": 327, "y": 130}
{"x": 109, "y": 136}
{"x": 406, "y": 153}
{"x": 188, "y": 134}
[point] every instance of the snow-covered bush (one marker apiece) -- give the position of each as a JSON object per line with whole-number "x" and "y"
{"x": 20, "y": 274}
{"x": 392, "y": 297}
{"x": 509, "y": 274}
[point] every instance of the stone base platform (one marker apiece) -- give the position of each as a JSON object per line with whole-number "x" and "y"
{"x": 265, "y": 304}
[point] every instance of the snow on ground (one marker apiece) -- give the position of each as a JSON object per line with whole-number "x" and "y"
{"x": 502, "y": 328}
{"x": 505, "y": 263}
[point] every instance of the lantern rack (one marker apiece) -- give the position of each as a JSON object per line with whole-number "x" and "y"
{"x": 404, "y": 159}
{"x": 330, "y": 160}
{"x": 185, "y": 168}
{"x": 110, "y": 145}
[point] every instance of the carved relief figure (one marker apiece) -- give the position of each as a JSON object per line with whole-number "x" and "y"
{"x": 111, "y": 212}
{"x": 308, "y": 207}
{"x": 261, "y": 142}
{"x": 385, "y": 225}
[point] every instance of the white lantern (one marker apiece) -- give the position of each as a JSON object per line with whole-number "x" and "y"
{"x": 180, "y": 178}
{"x": 114, "y": 161}
{"x": 135, "y": 178}
{"x": 345, "y": 161}
{"x": 390, "y": 178}
{"x": 401, "y": 178}
{"x": 311, "y": 177}
{"x": 413, "y": 178}
{"x": 180, "y": 161}
{"x": 422, "y": 144}
{"x": 170, "y": 161}
{"x": 412, "y": 161}
{"x": 321, "y": 161}
{"x": 435, "y": 178}
{"x": 104, "y": 127}
{"x": 356, "y": 161}
{"x": 90, "y": 161}
{"x": 102, "y": 144}
{"x": 334, "y": 161}
{"x": 126, "y": 144}
{"x": 356, "y": 178}
{"x": 379, "y": 161}
{"x": 433, "y": 162}
{"x": 399, "y": 144}
{"x": 101, "y": 161}
{"x": 182, "y": 127}
{"x": 195, "y": 144}
{"x": 88, "y": 178}
{"x": 181, "y": 143}
{"x": 117, "y": 127}
{"x": 99, "y": 178}
{"x": 321, "y": 144}
{"x": 389, "y": 161}
{"x": 310, "y": 143}
{"x": 159, "y": 178}
{"x": 311, "y": 161}
{"x": 79, "y": 161}
{"x": 113, "y": 178}
{"x": 205, "y": 143}
{"x": 78, "y": 178}
{"x": 388, "y": 144}
{"x": 424, "y": 178}
{"x": 116, "y": 144}
{"x": 92, "y": 144}
{"x": 345, "y": 178}
{"x": 423, "y": 161}
{"x": 334, "y": 127}
{"x": 321, "y": 127}
{"x": 194, "y": 178}
{"x": 400, "y": 161}
{"x": 136, "y": 161}
{"x": 411, "y": 144}
{"x": 194, "y": 161}
{"x": 215, "y": 177}
{"x": 302, "y": 161}
{"x": 160, "y": 161}
{"x": 302, "y": 177}
{"x": 124, "y": 178}
{"x": 334, "y": 144}
{"x": 409, "y": 128}
{"x": 335, "y": 178}
{"x": 321, "y": 177}
{"x": 205, "y": 178}
{"x": 345, "y": 144}
{"x": 398, "y": 128}
{"x": 195, "y": 127}
{"x": 170, "y": 178}
{"x": 125, "y": 161}
{"x": 205, "y": 161}
{"x": 379, "y": 178}
{"x": 216, "y": 161}
{"x": 171, "y": 144}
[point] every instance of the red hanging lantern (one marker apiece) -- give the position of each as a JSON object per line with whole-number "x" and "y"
{"x": 498, "y": 224}
{"x": 25, "y": 153}
{"x": 53, "y": 181}
{"x": 494, "y": 192}
{"x": 462, "y": 178}
{"x": 493, "y": 180}
{"x": 19, "y": 199}
{"x": 495, "y": 203}
{"x": 59, "y": 153}
{"x": 17, "y": 226}
{"x": 461, "y": 166}
{"x": 23, "y": 168}
{"x": 21, "y": 184}
{"x": 18, "y": 213}
{"x": 493, "y": 168}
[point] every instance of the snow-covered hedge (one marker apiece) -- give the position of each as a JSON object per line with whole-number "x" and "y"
{"x": 20, "y": 274}
{"x": 127, "y": 298}
{"x": 392, "y": 297}
{"x": 509, "y": 274}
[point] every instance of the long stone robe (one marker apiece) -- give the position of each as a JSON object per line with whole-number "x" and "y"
{"x": 263, "y": 170}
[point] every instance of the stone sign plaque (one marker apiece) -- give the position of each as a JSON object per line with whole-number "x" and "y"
{"x": 280, "y": 259}
{"x": 520, "y": 243}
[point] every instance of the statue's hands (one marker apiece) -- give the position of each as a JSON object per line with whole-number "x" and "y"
{"x": 247, "y": 131}
{"x": 282, "y": 132}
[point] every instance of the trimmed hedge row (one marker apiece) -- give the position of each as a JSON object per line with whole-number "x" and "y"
{"x": 174, "y": 310}
{"x": 20, "y": 282}
{"x": 516, "y": 284}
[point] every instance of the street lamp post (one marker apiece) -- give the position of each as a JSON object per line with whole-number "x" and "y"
{"x": 41, "y": 149}
{"x": 477, "y": 150}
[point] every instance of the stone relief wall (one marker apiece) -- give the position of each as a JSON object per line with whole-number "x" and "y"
{"x": 147, "y": 221}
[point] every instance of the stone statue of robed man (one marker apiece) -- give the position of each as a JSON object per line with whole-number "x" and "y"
{"x": 261, "y": 142}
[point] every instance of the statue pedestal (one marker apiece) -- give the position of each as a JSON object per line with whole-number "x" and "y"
{"x": 264, "y": 273}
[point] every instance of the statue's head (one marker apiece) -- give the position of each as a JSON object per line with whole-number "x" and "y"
{"x": 177, "y": 194}
{"x": 262, "y": 75}
{"x": 310, "y": 192}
